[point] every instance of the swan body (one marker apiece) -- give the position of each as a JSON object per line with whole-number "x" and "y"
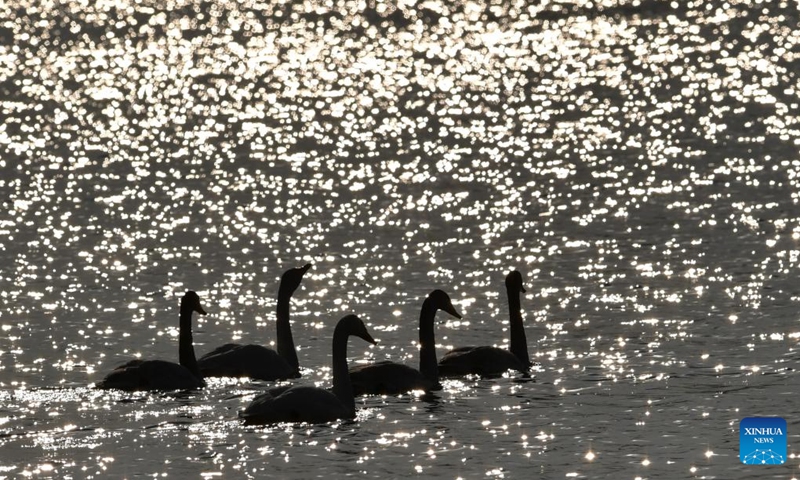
{"x": 489, "y": 361}
{"x": 304, "y": 403}
{"x": 389, "y": 378}
{"x": 160, "y": 374}
{"x": 255, "y": 361}
{"x": 300, "y": 403}
{"x": 151, "y": 375}
{"x": 485, "y": 361}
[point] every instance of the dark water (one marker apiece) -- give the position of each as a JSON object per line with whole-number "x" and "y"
{"x": 637, "y": 162}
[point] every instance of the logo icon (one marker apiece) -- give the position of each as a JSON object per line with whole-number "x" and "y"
{"x": 762, "y": 441}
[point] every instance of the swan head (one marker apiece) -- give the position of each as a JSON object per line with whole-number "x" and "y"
{"x": 353, "y": 326}
{"x": 291, "y": 278}
{"x": 514, "y": 281}
{"x": 192, "y": 300}
{"x": 441, "y": 301}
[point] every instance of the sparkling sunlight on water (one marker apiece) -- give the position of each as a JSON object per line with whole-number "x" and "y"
{"x": 637, "y": 162}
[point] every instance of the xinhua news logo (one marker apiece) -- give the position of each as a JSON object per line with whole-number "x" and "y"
{"x": 762, "y": 441}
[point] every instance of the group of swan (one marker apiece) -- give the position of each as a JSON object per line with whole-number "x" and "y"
{"x": 301, "y": 403}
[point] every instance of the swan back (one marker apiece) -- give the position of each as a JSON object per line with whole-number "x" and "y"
{"x": 151, "y": 375}
{"x": 299, "y": 403}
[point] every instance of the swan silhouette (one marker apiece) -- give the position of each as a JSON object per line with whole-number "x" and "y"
{"x": 255, "y": 361}
{"x": 303, "y": 403}
{"x": 389, "y": 378}
{"x": 492, "y": 361}
{"x": 160, "y": 374}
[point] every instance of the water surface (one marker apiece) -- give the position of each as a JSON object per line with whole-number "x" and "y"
{"x": 636, "y": 161}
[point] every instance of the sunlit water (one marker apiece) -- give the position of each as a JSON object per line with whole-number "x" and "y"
{"x": 637, "y": 162}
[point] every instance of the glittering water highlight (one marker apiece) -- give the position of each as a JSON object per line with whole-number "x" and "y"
{"x": 636, "y": 161}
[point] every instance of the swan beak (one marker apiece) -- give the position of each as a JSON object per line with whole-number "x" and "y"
{"x": 369, "y": 338}
{"x": 521, "y": 288}
{"x": 452, "y": 311}
{"x": 199, "y": 309}
{"x": 306, "y": 267}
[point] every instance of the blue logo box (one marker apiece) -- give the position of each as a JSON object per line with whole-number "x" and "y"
{"x": 762, "y": 441}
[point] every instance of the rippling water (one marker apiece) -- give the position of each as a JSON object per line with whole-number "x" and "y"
{"x": 636, "y": 161}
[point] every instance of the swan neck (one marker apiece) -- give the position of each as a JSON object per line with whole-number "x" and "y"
{"x": 185, "y": 343}
{"x": 342, "y": 387}
{"x": 518, "y": 343}
{"x": 427, "y": 343}
{"x": 286, "y": 347}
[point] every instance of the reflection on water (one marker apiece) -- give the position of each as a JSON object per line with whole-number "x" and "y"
{"x": 637, "y": 161}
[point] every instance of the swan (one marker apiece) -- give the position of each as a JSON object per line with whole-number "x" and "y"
{"x": 160, "y": 374}
{"x": 255, "y": 361}
{"x": 389, "y": 378}
{"x": 303, "y": 403}
{"x": 492, "y": 361}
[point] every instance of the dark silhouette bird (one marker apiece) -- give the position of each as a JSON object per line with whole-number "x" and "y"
{"x": 303, "y": 403}
{"x": 489, "y": 361}
{"x": 256, "y": 361}
{"x": 160, "y": 374}
{"x": 389, "y": 378}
